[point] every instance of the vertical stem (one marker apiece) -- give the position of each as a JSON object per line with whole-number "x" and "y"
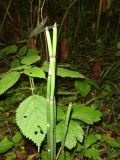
{"x": 32, "y": 84}
{"x": 65, "y": 130}
{"x": 48, "y": 113}
{"x": 51, "y": 124}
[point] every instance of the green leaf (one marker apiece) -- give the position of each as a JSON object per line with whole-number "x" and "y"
{"x": 8, "y": 81}
{"x": 30, "y": 59}
{"x": 92, "y": 153}
{"x": 60, "y": 114}
{"x": 32, "y": 52}
{"x": 17, "y": 137}
{"x": 5, "y": 145}
{"x": 7, "y": 50}
{"x": 115, "y": 143}
{"x": 10, "y": 156}
{"x": 20, "y": 68}
{"x": 39, "y": 28}
{"x": 68, "y": 156}
{"x": 91, "y": 139}
{"x": 93, "y": 83}
{"x": 62, "y": 72}
{"x": 86, "y": 114}
{"x": 15, "y": 63}
{"x": 75, "y": 132}
{"x": 31, "y": 118}
{"x": 82, "y": 87}
{"x": 23, "y": 51}
{"x": 118, "y": 45}
{"x": 34, "y": 72}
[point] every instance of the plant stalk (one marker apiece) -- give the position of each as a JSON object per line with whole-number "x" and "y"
{"x": 51, "y": 111}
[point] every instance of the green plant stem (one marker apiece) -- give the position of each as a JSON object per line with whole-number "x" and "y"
{"x": 51, "y": 124}
{"x": 42, "y": 10}
{"x": 65, "y": 130}
{"x": 32, "y": 84}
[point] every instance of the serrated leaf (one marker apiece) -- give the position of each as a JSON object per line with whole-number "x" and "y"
{"x": 8, "y": 80}
{"x": 75, "y": 132}
{"x": 5, "y": 145}
{"x": 91, "y": 139}
{"x": 115, "y": 143}
{"x": 34, "y": 72}
{"x": 82, "y": 87}
{"x": 23, "y": 51}
{"x": 32, "y": 52}
{"x": 92, "y": 153}
{"x": 30, "y": 59}
{"x": 62, "y": 72}
{"x": 86, "y": 114}
{"x": 31, "y": 118}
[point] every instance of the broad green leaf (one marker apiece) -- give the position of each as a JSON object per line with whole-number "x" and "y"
{"x": 31, "y": 118}
{"x": 92, "y": 153}
{"x": 22, "y": 67}
{"x": 75, "y": 132}
{"x": 115, "y": 143}
{"x": 34, "y": 72}
{"x": 7, "y": 50}
{"x": 30, "y": 59}
{"x": 82, "y": 87}
{"x": 39, "y": 28}
{"x": 23, "y": 51}
{"x": 8, "y": 81}
{"x": 60, "y": 114}
{"x": 91, "y": 139}
{"x": 86, "y": 114}
{"x": 32, "y": 52}
{"x": 17, "y": 137}
{"x": 15, "y": 63}
{"x": 62, "y": 72}
{"x": 118, "y": 45}
{"x": 5, "y": 145}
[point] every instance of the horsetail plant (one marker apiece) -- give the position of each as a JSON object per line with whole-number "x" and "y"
{"x": 51, "y": 111}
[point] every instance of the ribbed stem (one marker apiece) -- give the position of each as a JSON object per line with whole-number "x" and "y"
{"x": 51, "y": 121}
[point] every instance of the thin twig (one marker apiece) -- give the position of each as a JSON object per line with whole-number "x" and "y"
{"x": 5, "y": 15}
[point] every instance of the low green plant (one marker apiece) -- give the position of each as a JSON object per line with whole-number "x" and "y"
{"x": 36, "y": 113}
